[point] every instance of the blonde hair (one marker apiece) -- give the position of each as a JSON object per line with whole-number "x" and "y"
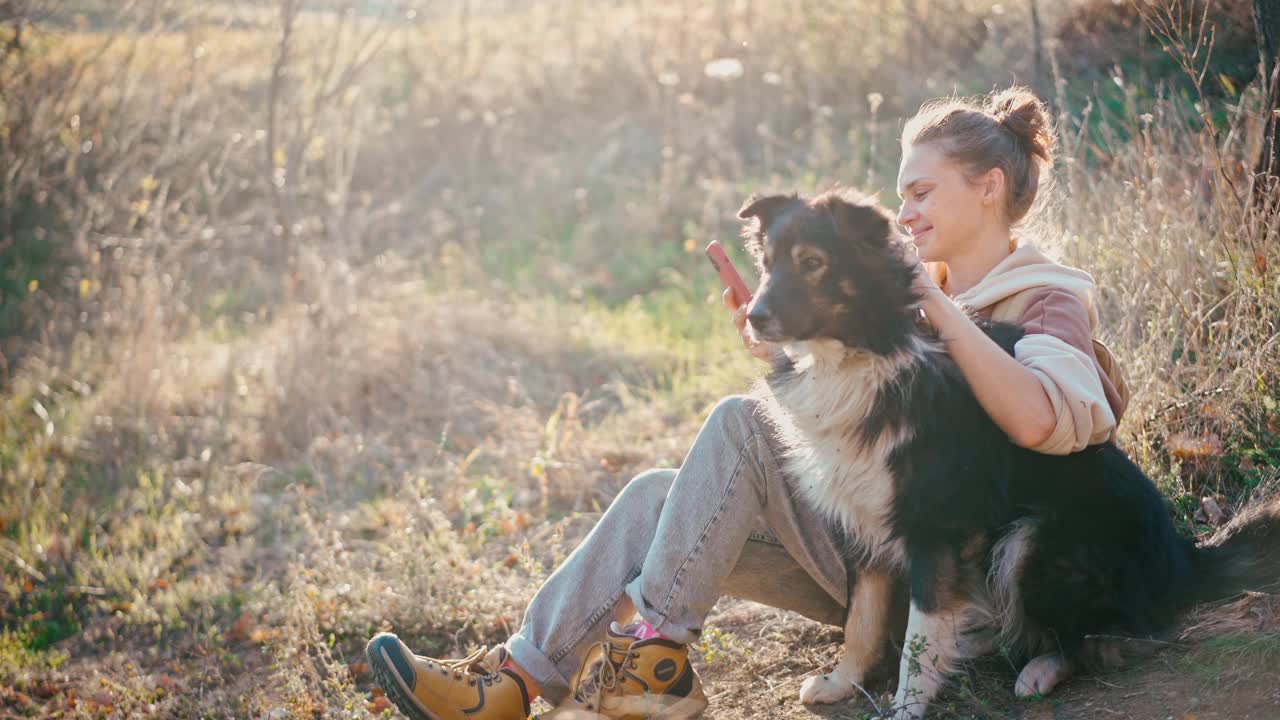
{"x": 1011, "y": 130}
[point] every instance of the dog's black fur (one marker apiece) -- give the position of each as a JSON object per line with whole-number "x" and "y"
{"x": 1105, "y": 558}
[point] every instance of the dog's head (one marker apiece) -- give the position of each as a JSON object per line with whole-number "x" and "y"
{"x": 830, "y": 267}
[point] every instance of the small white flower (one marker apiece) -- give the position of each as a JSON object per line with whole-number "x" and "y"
{"x": 724, "y": 69}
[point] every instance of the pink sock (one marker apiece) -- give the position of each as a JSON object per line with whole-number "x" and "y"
{"x": 643, "y": 631}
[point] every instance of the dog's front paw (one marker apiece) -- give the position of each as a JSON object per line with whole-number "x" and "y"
{"x": 1042, "y": 675}
{"x": 828, "y": 688}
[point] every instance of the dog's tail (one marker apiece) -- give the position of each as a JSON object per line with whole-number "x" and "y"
{"x": 1243, "y": 555}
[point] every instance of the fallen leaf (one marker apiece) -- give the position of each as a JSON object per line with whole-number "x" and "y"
{"x": 261, "y": 636}
{"x": 14, "y": 698}
{"x": 356, "y": 669}
{"x": 45, "y": 690}
{"x": 160, "y": 584}
{"x": 1185, "y": 446}
{"x": 1210, "y": 512}
{"x": 378, "y": 705}
{"x": 1210, "y": 409}
{"x": 241, "y": 628}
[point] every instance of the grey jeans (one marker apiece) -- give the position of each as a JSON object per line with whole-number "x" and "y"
{"x": 727, "y": 522}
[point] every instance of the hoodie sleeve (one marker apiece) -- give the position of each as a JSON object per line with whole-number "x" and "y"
{"x": 1058, "y": 349}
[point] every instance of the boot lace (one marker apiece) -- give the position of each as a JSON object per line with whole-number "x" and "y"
{"x": 604, "y": 676}
{"x": 457, "y": 667}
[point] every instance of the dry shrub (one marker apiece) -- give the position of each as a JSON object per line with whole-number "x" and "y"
{"x": 437, "y": 312}
{"x": 1097, "y": 36}
{"x": 1157, "y": 207}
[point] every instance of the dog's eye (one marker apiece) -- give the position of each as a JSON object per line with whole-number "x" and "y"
{"x": 811, "y": 263}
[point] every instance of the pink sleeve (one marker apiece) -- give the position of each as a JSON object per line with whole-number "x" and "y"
{"x": 1058, "y": 349}
{"x": 1061, "y": 314}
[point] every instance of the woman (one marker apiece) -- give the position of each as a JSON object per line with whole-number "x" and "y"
{"x": 672, "y": 541}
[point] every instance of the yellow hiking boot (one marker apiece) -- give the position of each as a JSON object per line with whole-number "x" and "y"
{"x": 623, "y": 678}
{"x": 473, "y": 688}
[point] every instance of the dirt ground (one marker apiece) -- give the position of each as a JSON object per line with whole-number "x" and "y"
{"x": 758, "y": 672}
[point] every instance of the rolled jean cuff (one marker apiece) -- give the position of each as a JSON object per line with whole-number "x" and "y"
{"x": 672, "y": 630}
{"x": 554, "y": 686}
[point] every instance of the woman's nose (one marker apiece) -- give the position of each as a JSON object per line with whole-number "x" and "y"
{"x": 906, "y": 214}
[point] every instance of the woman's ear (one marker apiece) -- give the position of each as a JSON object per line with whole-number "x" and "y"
{"x": 993, "y": 188}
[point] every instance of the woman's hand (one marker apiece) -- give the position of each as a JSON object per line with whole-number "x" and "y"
{"x": 924, "y": 284}
{"x": 1010, "y": 393}
{"x": 762, "y": 350}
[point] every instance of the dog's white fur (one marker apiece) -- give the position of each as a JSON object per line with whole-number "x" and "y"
{"x": 1007, "y": 560}
{"x": 863, "y": 637}
{"x": 817, "y": 415}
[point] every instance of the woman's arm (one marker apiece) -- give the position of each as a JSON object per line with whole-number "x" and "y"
{"x": 1010, "y": 393}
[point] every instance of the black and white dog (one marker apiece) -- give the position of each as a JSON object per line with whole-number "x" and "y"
{"x": 1004, "y": 548}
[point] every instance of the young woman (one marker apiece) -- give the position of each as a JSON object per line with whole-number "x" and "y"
{"x": 674, "y": 540}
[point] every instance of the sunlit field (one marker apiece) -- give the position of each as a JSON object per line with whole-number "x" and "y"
{"x": 319, "y": 319}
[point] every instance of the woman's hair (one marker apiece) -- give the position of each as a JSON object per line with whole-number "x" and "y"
{"x": 1011, "y": 130}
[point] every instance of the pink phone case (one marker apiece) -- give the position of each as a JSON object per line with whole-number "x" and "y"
{"x": 728, "y": 273}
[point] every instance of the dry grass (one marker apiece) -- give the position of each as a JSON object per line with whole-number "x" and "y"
{"x": 266, "y": 401}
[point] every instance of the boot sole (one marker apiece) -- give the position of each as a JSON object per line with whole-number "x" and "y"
{"x": 393, "y": 685}
{"x": 665, "y": 707}
{"x": 653, "y": 707}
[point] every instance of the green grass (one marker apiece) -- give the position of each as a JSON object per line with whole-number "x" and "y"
{"x": 23, "y": 663}
{"x": 231, "y": 482}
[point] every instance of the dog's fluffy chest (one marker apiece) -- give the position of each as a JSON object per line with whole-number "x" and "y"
{"x": 818, "y": 413}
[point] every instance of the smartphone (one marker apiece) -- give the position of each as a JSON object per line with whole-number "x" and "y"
{"x": 728, "y": 273}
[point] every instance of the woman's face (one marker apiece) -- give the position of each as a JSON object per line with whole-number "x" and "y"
{"x": 942, "y": 210}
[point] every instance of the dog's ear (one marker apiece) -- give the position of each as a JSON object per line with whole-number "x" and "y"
{"x": 859, "y": 218}
{"x": 863, "y": 223}
{"x": 766, "y": 208}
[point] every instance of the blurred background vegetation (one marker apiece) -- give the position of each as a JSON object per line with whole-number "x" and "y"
{"x": 319, "y": 318}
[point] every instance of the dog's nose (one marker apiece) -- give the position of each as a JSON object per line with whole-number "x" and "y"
{"x": 758, "y": 315}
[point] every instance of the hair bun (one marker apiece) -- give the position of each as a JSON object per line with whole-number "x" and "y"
{"x": 1010, "y": 130}
{"x": 1019, "y": 111}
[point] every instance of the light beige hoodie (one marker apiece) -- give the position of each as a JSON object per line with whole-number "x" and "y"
{"x": 1055, "y": 306}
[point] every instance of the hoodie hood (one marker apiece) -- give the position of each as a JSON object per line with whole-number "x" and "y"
{"x": 1026, "y": 268}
